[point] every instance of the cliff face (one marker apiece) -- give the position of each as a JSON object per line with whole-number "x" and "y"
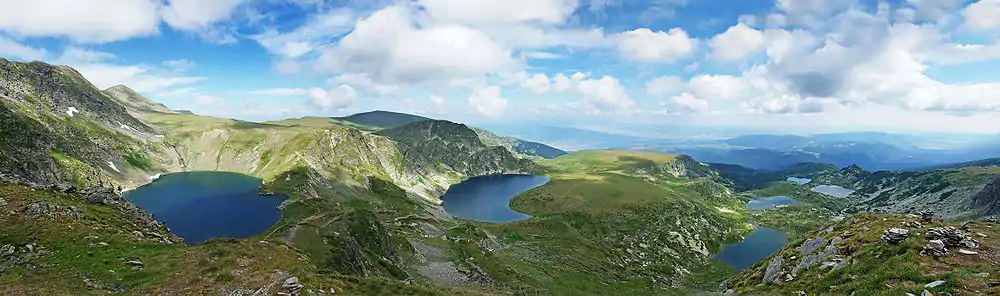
{"x": 60, "y": 129}
{"x": 455, "y": 146}
{"x": 952, "y": 194}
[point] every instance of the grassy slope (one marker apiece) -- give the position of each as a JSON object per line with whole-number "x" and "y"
{"x": 884, "y": 269}
{"x": 62, "y": 237}
{"x": 599, "y": 230}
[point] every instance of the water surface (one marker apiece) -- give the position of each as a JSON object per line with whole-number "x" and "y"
{"x": 800, "y": 181}
{"x": 197, "y": 206}
{"x": 487, "y": 198}
{"x": 761, "y": 243}
{"x": 833, "y": 190}
{"x": 770, "y": 202}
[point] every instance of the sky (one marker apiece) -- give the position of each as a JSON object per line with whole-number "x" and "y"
{"x": 819, "y": 65}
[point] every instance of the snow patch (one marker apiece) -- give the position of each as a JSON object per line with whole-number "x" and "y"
{"x": 113, "y": 167}
{"x": 725, "y": 210}
{"x": 158, "y": 136}
{"x": 71, "y": 110}
{"x": 154, "y": 177}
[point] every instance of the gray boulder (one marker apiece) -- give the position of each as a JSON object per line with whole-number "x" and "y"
{"x": 895, "y": 235}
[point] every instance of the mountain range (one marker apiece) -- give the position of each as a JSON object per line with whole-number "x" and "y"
{"x": 364, "y": 213}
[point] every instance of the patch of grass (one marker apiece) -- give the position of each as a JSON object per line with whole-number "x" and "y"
{"x": 139, "y": 161}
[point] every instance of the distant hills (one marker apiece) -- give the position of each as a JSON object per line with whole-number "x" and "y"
{"x": 380, "y": 120}
{"x": 383, "y": 119}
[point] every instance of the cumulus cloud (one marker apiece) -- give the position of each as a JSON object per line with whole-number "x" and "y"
{"x": 736, "y": 43}
{"x": 686, "y": 103}
{"x": 388, "y": 46}
{"x": 197, "y": 14}
{"x": 103, "y": 20}
{"x": 331, "y": 99}
{"x": 365, "y": 84}
{"x": 648, "y": 46}
{"x": 982, "y": 15}
{"x": 488, "y": 101}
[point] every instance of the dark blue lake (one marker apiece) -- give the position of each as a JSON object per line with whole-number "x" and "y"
{"x": 761, "y": 243}
{"x": 833, "y": 190}
{"x": 197, "y": 206}
{"x": 770, "y": 202}
{"x": 800, "y": 181}
{"x": 487, "y": 198}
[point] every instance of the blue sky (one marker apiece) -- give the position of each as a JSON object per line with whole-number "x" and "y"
{"x": 805, "y": 65}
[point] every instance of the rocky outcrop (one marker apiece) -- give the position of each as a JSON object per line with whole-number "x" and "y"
{"x": 895, "y": 235}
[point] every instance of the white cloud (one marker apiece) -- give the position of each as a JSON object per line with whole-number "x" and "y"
{"x": 389, "y": 47}
{"x": 92, "y": 21}
{"x": 718, "y": 87}
{"x": 982, "y": 15}
{"x": 736, "y": 43}
{"x": 332, "y": 99}
{"x": 194, "y": 15}
{"x": 686, "y": 103}
{"x": 664, "y": 85}
{"x": 320, "y": 29}
{"x": 179, "y": 65}
{"x": 507, "y": 11}
{"x": 437, "y": 100}
{"x": 488, "y": 101}
{"x": 11, "y": 48}
{"x": 365, "y": 84}
{"x": 604, "y": 95}
{"x": 648, "y": 46}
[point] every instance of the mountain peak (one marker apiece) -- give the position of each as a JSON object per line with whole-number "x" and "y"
{"x": 135, "y": 102}
{"x": 383, "y": 119}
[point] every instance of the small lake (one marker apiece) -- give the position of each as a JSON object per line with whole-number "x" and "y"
{"x": 800, "y": 181}
{"x": 487, "y": 198}
{"x": 833, "y": 190}
{"x": 198, "y": 206}
{"x": 770, "y": 202}
{"x": 761, "y": 243}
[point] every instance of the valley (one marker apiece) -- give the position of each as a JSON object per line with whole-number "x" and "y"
{"x": 360, "y": 205}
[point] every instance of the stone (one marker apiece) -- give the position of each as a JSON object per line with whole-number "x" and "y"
{"x": 292, "y": 285}
{"x": 812, "y": 244}
{"x": 895, "y": 235}
{"x": 773, "y": 270}
{"x": 730, "y": 292}
{"x": 935, "y": 248}
{"x": 926, "y": 293}
{"x": 991, "y": 219}
{"x": 952, "y": 237}
{"x": 914, "y": 224}
{"x": 3, "y": 202}
{"x": 927, "y": 216}
{"x": 6, "y": 250}
{"x": 934, "y": 284}
{"x": 836, "y": 240}
{"x": 967, "y": 252}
